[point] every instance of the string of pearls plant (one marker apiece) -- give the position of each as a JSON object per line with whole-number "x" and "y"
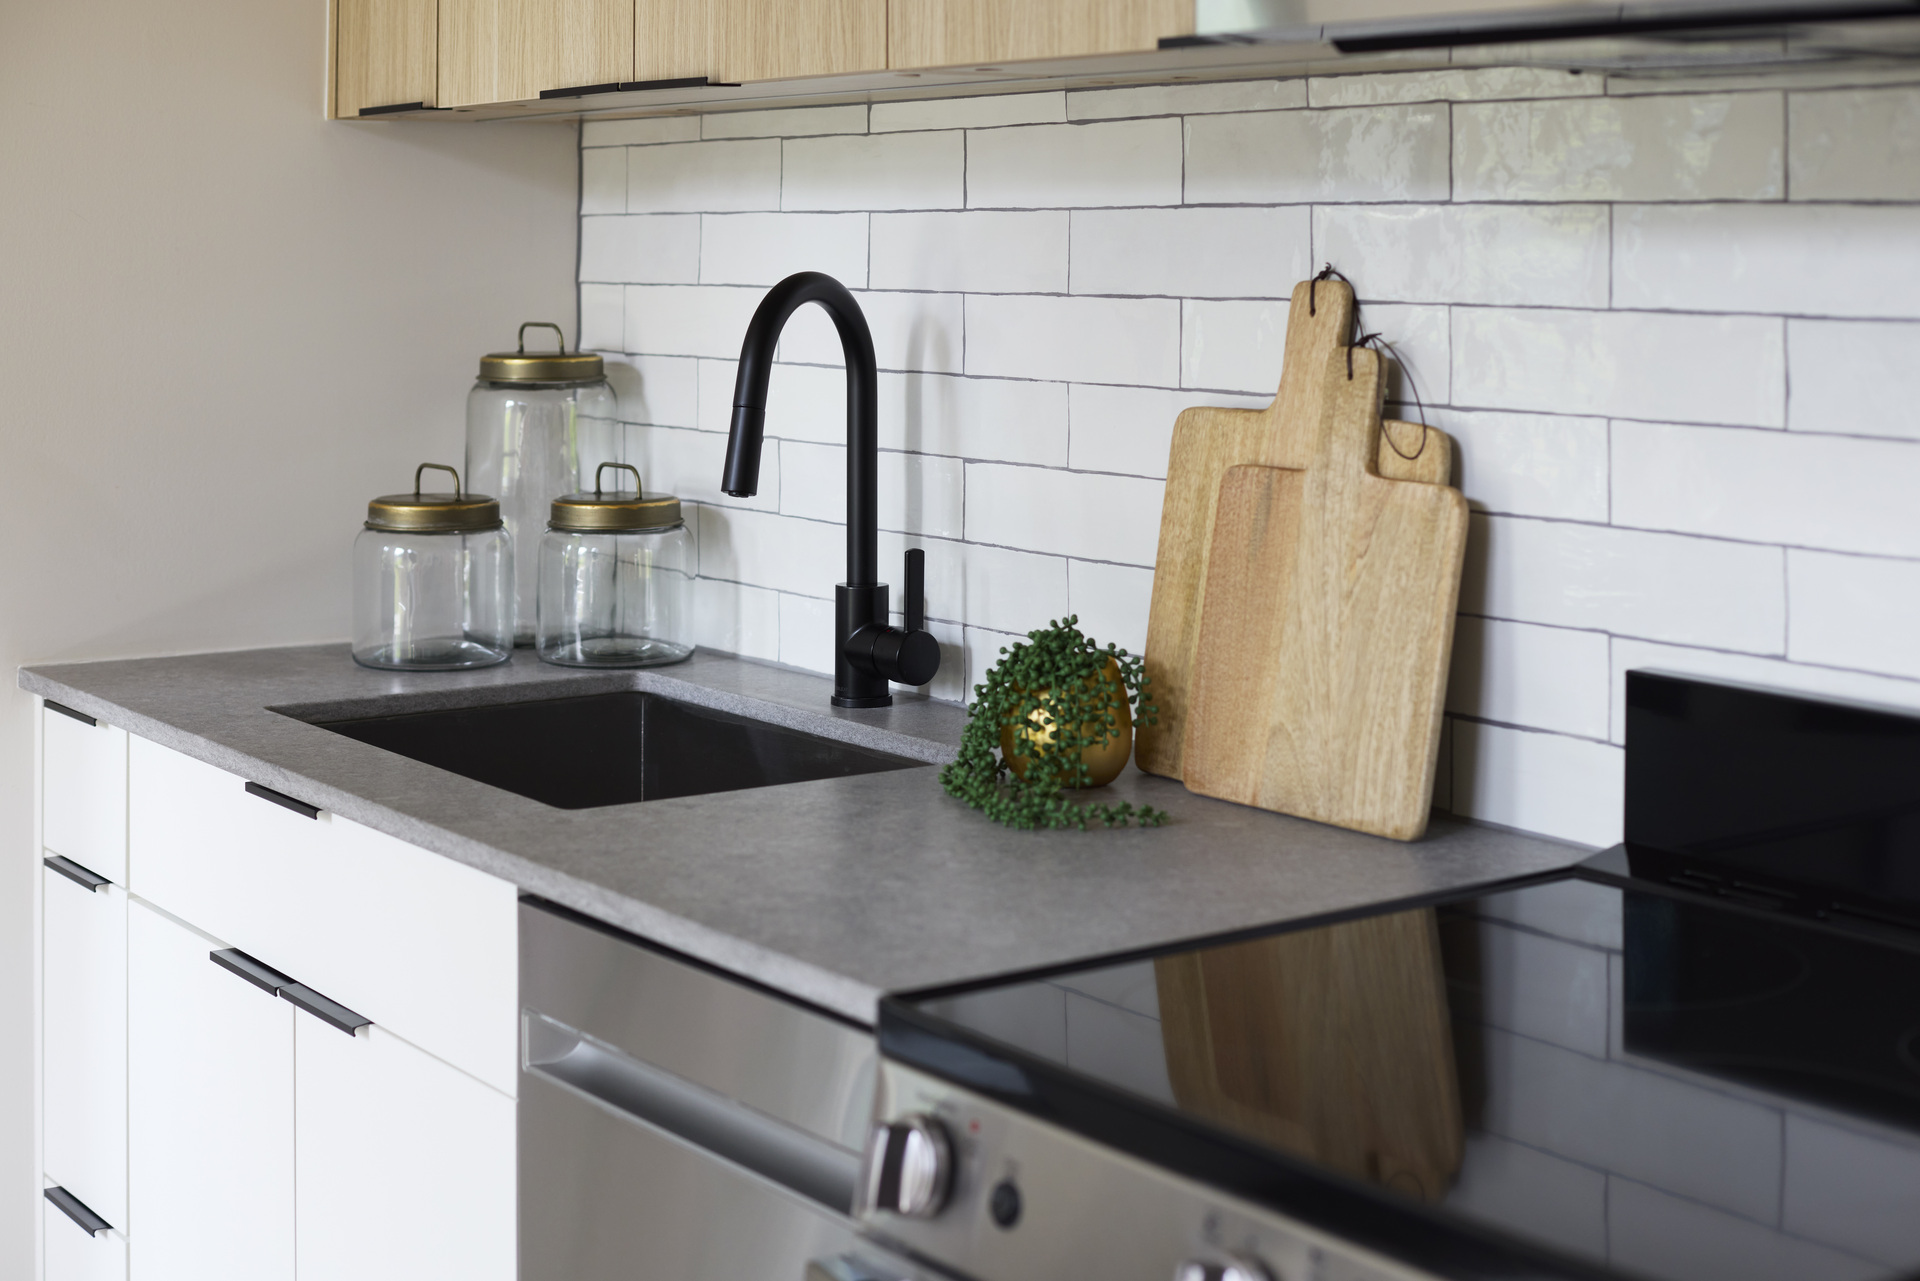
{"x": 1056, "y": 694}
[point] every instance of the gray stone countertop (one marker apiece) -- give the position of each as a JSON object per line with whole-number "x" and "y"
{"x": 833, "y": 891}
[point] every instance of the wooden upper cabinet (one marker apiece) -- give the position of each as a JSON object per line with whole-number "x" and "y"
{"x": 670, "y": 40}
{"x": 947, "y": 33}
{"x": 383, "y": 54}
{"x": 510, "y": 50}
{"x": 775, "y": 39}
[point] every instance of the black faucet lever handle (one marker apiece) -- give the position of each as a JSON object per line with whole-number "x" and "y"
{"x": 916, "y": 601}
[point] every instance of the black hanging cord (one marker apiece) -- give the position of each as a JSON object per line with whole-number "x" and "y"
{"x": 1382, "y": 345}
{"x": 1326, "y": 272}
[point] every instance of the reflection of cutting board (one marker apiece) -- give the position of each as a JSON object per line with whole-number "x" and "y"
{"x": 1332, "y": 1043}
{"x": 1326, "y": 625}
{"x": 1207, "y": 441}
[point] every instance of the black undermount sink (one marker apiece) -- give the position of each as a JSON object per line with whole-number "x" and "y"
{"x": 613, "y": 749}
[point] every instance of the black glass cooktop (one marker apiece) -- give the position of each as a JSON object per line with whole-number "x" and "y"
{"x": 1696, "y": 1057}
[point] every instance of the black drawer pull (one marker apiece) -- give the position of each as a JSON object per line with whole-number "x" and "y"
{"x": 234, "y": 961}
{"x": 84, "y": 719}
{"x": 329, "y": 1012}
{"x": 281, "y": 799}
{"x": 581, "y": 91}
{"x": 75, "y": 873}
{"x": 76, "y": 1209}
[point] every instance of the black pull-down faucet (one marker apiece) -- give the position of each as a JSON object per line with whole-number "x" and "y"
{"x": 867, "y": 652}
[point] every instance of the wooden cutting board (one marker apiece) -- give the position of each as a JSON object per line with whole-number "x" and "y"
{"x": 1326, "y": 626}
{"x": 1207, "y": 441}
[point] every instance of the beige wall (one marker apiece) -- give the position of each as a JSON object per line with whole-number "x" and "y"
{"x": 224, "y": 325}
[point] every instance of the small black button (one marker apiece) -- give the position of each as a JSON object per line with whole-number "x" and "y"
{"x": 1004, "y": 1204}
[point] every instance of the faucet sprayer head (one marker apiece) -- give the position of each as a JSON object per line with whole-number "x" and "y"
{"x": 740, "y": 478}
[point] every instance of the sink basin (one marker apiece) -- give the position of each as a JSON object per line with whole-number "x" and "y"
{"x": 613, "y": 749}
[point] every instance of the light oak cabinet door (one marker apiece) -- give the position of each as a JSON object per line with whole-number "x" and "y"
{"x": 84, "y": 1043}
{"x": 511, "y": 50}
{"x": 670, "y": 40}
{"x": 209, "y": 1113}
{"x": 777, "y": 39}
{"x": 946, "y": 33}
{"x": 385, "y": 54}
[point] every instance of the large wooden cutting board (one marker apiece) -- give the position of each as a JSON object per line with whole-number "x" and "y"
{"x": 1207, "y": 441}
{"x": 1326, "y": 626}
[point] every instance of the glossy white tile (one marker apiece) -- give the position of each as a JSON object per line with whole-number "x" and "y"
{"x": 986, "y": 111}
{"x": 1551, "y": 255}
{"x": 986, "y": 251}
{"x": 1854, "y": 144}
{"x": 1861, "y": 612}
{"x": 1529, "y": 464}
{"x": 1097, "y": 340}
{"x": 697, "y": 177}
{"x": 1191, "y": 253}
{"x": 1290, "y": 157}
{"x": 1552, "y": 678}
{"x": 1130, "y": 162}
{"x": 766, "y": 248}
{"x": 882, "y": 171}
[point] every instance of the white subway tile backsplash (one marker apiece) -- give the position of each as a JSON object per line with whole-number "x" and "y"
{"x": 986, "y": 419}
{"x": 1676, "y": 368}
{"x": 1130, "y": 429}
{"x": 1648, "y": 1230}
{"x": 806, "y": 632}
{"x": 804, "y": 402}
{"x": 1854, "y": 611}
{"x": 803, "y": 557}
{"x": 1569, "y": 788}
{"x": 1530, "y": 464}
{"x": 919, "y": 493}
{"x": 603, "y": 181}
{"x": 688, "y": 320}
{"x": 1045, "y": 510}
{"x": 1191, "y": 253}
{"x": 1009, "y": 591}
{"x": 1835, "y": 260}
{"x": 1186, "y": 100}
{"x": 983, "y": 112}
{"x": 603, "y": 318}
{"x": 1854, "y": 377}
{"x": 1854, "y": 144}
{"x": 641, "y": 249}
{"x": 1133, "y": 162}
{"x": 687, "y": 464}
{"x": 1552, "y": 255}
{"x": 1774, "y": 673}
{"x": 1290, "y": 157}
{"x": 622, "y": 133}
{"x": 790, "y": 122}
{"x": 987, "y": 251}
{"x": 1552, "y": 678}
{"x": 1848, "y": 1188}
{"x": 701, "y": 177}
{"x": 1422, "y": 346}
{"x": 1233, "y": 346}
{"x": 1655, "y": 586}
{"x": 1097, "y": 340}
{"x": 1768, "y": 486}
{"x": 766, "y": 248}
{"x": 736, "y": 619}
{"x": 656, "y": 389}
{"x": 911, "y": 331}
{"x": 1698, "y": 147}
{"x": 1112, "y": 602}
{"x": 884, "y": 171}
{"x": 1463, "y": 85}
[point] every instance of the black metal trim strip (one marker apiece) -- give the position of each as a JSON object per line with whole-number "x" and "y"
{"x": 581, "y": 91}
{"x": 64, "y": 710}
{"x": 81, "y": 876}
{"x": 330, "y": 1012}
{"x": 234, "y": 961}
{"x": 281, "y": 799}
{"x": 684, "y": 82}
{"x": 77, "y": 1210}
{"x": 395, "y": 108}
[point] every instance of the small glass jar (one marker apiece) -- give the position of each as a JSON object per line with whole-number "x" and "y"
{"x": 432, "y": 581}
{"x": 616, "y": 579}
{"x": 538, "y": 422}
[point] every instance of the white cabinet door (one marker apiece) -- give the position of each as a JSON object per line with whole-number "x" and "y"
{"x": 84, "y": 793}
{"x": 210, "y": 1113}
{"x": 84, "y": 1042}
{"x": 405, "y": 1165}
{"x": 74, "y": 1254}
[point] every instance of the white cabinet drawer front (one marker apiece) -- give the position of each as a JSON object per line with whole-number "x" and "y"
{"x": 423, "y": 946}
{"x": 405, "y": 1166}
{"x": 84, "y": 793}
{"x": 84, "y": 1042}
{"x": 74, "y": 1254}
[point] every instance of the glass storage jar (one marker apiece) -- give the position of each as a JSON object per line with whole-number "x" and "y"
{"x": 432, "y": 581}
{"x": 537, "y": 425}
{"x": 616, "y": 579}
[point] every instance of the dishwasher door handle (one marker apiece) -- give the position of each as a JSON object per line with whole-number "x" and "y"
{"x": 813, "y": 1167}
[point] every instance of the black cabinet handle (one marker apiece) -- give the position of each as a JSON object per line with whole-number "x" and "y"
{"x": 82, "y": 717}
{"x": 75, "y": 873}
{"x": 281, "y": 799}
{"x": 581, "y": 91}
{"x": 264, "y": 977}
{"x": 76, "y": 1209}
{"x": 327, "y": 1011}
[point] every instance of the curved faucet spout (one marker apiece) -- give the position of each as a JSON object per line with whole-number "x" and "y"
{"x": 742, "y": 475}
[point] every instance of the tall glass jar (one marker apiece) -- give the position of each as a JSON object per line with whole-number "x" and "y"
{"x": 537, "y": 425}
{"x": 616, "y": 579}
{"x": 432, "y": 581}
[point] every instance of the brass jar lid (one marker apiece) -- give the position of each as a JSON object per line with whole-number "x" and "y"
{"x": 523, "y": 366}
{"x": 418, "y": 513}
{"x": 603, "y": 512}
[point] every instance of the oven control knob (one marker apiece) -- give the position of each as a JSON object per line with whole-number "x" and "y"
{"x": 1234, "y": 1269}
{"x": 910, "y": 1166}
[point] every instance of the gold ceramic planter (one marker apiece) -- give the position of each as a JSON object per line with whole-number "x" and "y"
{"x": 1104, "y": 761}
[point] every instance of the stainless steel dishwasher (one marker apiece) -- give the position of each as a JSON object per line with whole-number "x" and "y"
{"x": 680, "y": 1125}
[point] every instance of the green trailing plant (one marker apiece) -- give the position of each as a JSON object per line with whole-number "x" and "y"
{"x": 1062, "y": 675}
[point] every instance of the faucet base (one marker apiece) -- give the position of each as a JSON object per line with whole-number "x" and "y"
{"x": 857, "y": 605}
